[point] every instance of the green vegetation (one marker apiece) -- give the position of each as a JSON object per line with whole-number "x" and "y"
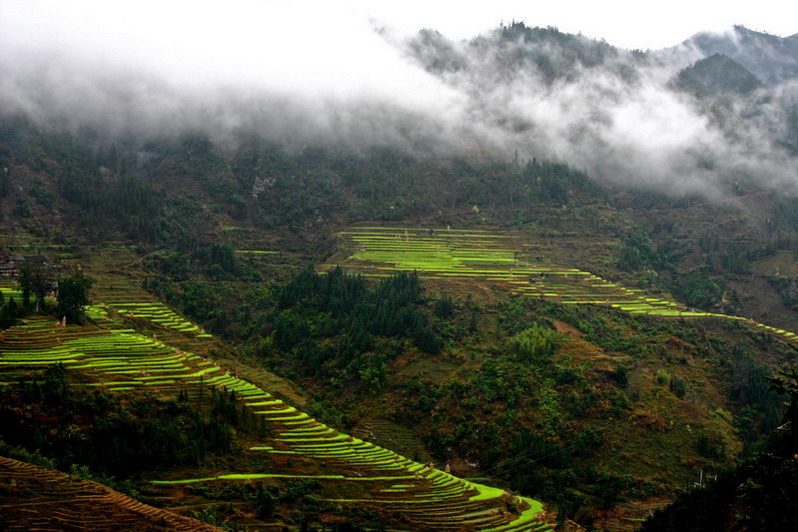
{"x": 787, "y": 289}
{"x": 203, "y": 427}
{"x": 491, "y": 257}
{"x": 9, "y": 312}
{"x": 120, "y": 441}
{"x": 715, "y": 76}
{"x": 159, "y": 315}
{"x": 534, "y": 342}
{"x": 35, "y": 279}
{"x": 571, "y": 354}
{"x": 332, "y": 323}
{"x": 116, "y": 189}
{"x": 758, "y": 494}
{"x": 73, "y": 296}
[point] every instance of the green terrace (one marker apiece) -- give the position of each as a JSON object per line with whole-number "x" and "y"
{"x": 500, "y": 259}
{"x": 158, "y": 314}
{"x": 121, "y": 360}
{"x": 257, "y": 252}
{"x": 8, "y": 290}
{"x": 494, "y": 258}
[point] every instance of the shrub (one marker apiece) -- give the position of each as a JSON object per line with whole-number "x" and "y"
{"x": 444, "y": 307}
{"x": 536, "y": 341}
{"x": 677, "y": 387}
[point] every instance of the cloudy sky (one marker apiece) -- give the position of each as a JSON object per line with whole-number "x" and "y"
{"x": 331, "y": 45}
{"x": 624, "y": 23}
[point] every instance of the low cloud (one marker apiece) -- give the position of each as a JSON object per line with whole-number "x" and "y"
{"x": 148, "y": 67}
{"x": 334, "y": 77}
{"x": 615, "y": 113}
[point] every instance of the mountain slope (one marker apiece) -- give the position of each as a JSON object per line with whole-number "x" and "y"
{"x": 716, "y": 75}
{"x": 759, "y": 494}
{"x": 35, "y": 498}
{"x": 276, "y": 444}
{"x": 772, "y": 59}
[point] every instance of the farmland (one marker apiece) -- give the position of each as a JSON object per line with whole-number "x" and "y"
{"x": 138, "y": 346}
{"x": 350, "y": 471}
{"x": 63, "y": 502}
{"x": 506, "y": 261}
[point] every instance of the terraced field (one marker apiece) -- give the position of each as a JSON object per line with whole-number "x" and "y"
{"x": 9, "y": 289}
{"x": 499, "y": 259}
{"x": 158, "y": 314}
{"x": 350, "y": 470}
{"x": 44, "y": 499}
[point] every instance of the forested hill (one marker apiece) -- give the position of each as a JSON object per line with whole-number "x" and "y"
{"x": 771, "y": 58}
{"x": 186, "y": 193}
{"x": 225, "y": 234}
{"x": 174, "y": 191}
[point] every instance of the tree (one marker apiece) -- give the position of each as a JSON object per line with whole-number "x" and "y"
{"x": 35, "y": 278}
{"x": 8, "y": 313}
{"x": 264, "y": 502}
{"x": 73, "y": 295}
{"x": 787, "y": 384}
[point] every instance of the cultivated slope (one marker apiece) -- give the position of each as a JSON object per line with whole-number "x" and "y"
{"x": 502, "y": 259}
{"x": 350, "y": 471}
{"x": 35, "y": 498}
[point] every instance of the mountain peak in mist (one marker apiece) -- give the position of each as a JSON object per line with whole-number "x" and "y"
{"x": 770, "y": 58}
{"x": 717, "y": 75}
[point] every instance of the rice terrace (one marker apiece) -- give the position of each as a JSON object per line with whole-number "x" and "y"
{"x": 499, "y": 259}
{"x": 287, "y": 445}
{"x": 113, "y": 355}
{"x": 117, "y": 358}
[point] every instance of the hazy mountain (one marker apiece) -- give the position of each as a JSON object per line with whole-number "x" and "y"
{"x": 716, "y": 75}
{"x": 216, "y": 200}
{"x": 771, "y": 58}
{"x": 626, "y": 117}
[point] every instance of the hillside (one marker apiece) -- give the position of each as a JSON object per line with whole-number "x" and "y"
{"x": 624, "y": 376}
{"x": 35, "y": 498}
{"x": 771, "y": 58}
{"x": 606, "y": 364}
{"x": 552, "y": 285}
{"x": 260, "y": 449}
{"x": 716, "y": 75}
{"x": 493, "y": 261}
{"x": 755, "y": 495}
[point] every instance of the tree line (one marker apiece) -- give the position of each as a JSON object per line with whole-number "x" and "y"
{"x": 335, "y": 324}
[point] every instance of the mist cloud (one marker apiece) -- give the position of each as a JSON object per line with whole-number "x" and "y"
{"x": 615, "y": 113}
{"x": 270, "y": 66}
{"x": 304, "y": 72}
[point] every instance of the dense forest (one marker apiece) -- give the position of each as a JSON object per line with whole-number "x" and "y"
{"x": 121, "y": 187}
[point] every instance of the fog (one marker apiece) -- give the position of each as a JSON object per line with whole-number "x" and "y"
{"x": 147, "y": 68}
{"x": 307, "y": 72}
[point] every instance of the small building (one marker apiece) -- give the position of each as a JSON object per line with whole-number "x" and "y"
{"x": 9, "y": 270}
{"x": 11, "y": 264}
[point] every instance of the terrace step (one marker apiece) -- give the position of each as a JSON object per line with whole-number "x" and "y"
{"x": 121, "y": 359}
{"x": 63, "y": 502}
